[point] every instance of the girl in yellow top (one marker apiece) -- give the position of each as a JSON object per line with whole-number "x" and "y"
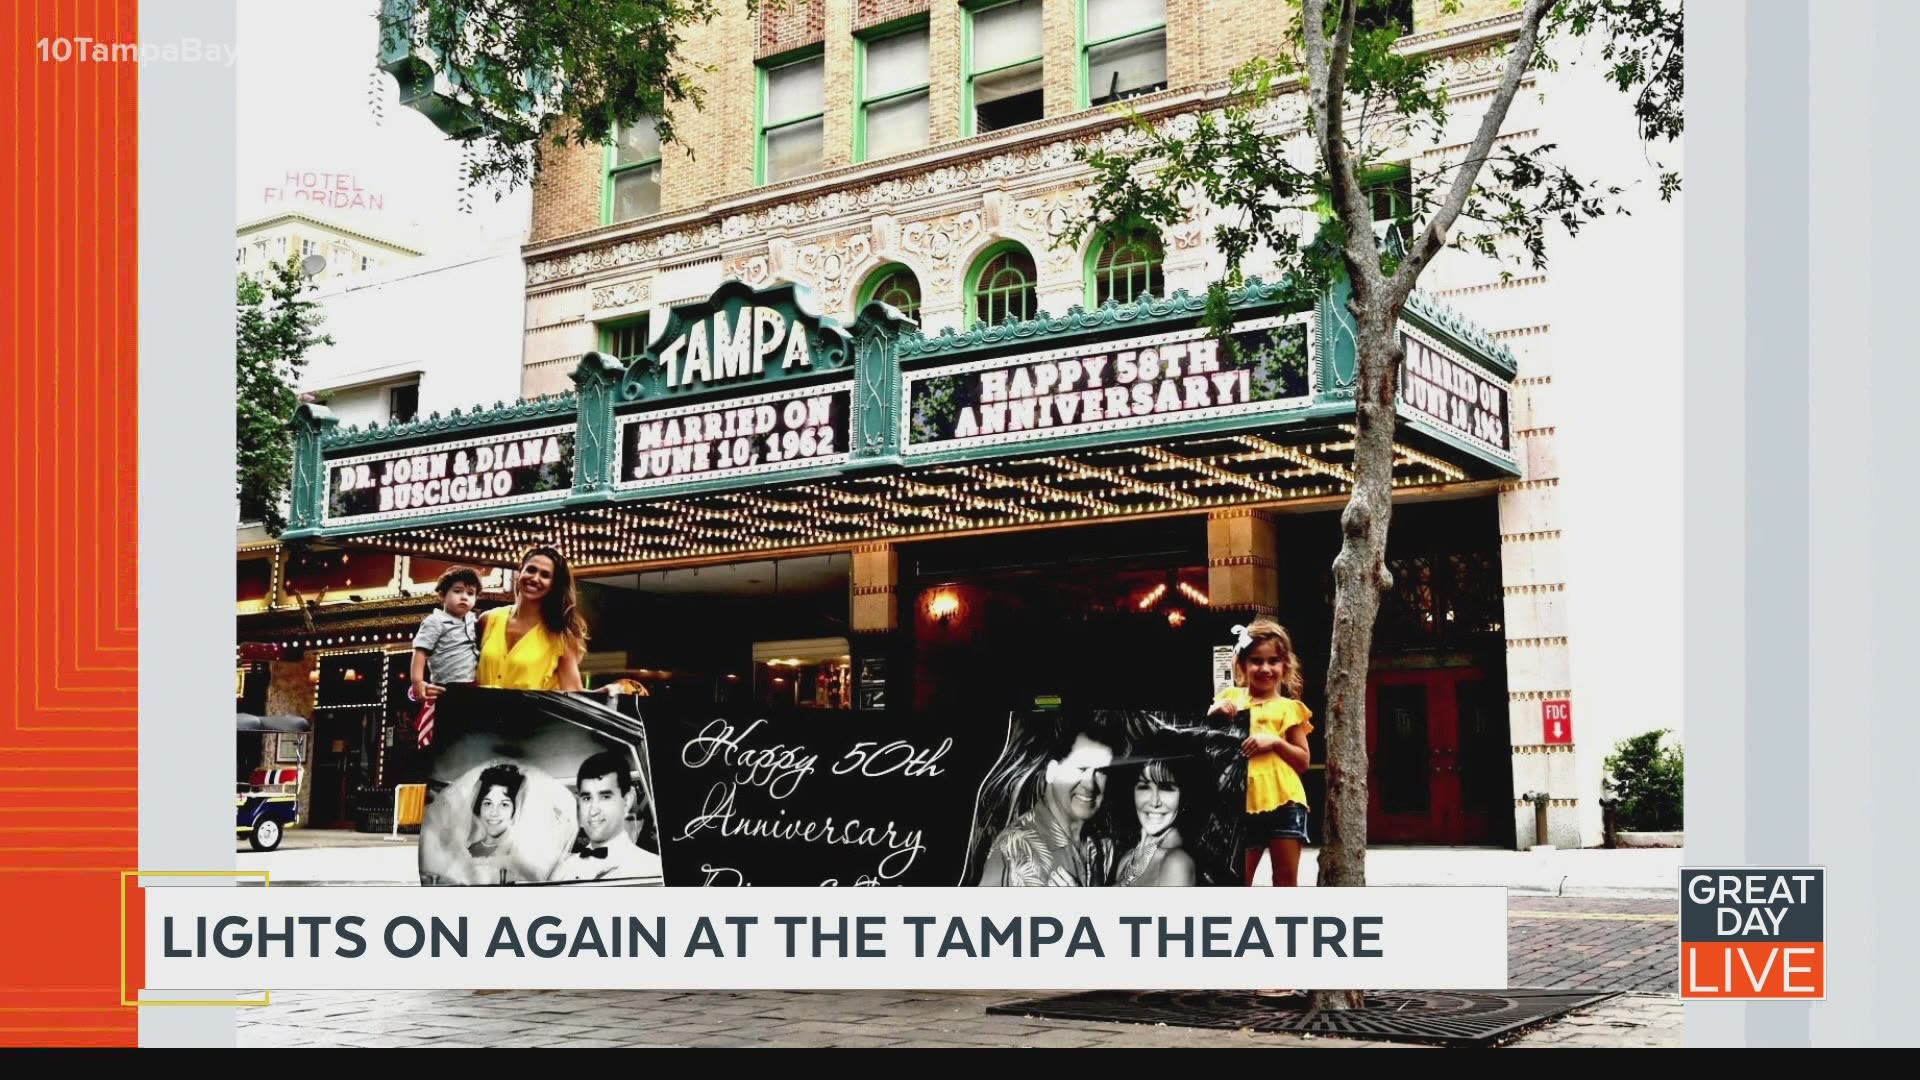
{"x": 537, "y": 643}
{"x": 1267, "y": 674}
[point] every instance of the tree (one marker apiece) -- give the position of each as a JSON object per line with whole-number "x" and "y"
{"x": 498, "y": 75}
{"x": 275, "y": 326}
{"x": 1363, "y": 98}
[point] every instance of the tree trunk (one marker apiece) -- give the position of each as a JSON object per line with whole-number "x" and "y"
{"x": 1360, "y": 577}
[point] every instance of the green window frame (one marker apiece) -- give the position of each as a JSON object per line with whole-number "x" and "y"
{"x": 1134, "y": 36}
{"x": 1389, "y": 192}
{"x": 896, "y": 284}
{"x": 624, "y": 339}
{"x": 787, "y": 124}
{"x": 969, "y": 115}
{"x": 1381, "y": 14}
{"x": 901, "y": 97}
{"x": 1125, "y": 266}
{"x": 1001, "y": 284}
{"x": 645, "y": 160}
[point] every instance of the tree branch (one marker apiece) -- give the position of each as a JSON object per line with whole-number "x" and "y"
{"x": 1434, "y": 236}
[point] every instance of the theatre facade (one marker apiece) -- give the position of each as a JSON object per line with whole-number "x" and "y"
{"x": 777, "y": 513}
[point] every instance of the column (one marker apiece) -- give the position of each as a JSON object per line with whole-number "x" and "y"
{"x": 1242, "y": 571}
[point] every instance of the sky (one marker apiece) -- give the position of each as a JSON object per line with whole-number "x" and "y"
{"x": 310, "y": 105}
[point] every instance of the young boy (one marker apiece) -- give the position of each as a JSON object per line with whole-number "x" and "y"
{"x": 445, "y": 643}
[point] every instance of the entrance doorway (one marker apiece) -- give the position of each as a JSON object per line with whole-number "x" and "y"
{"x": 1440, "y": 758}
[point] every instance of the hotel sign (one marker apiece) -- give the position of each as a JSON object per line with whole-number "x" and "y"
{"x": 1110, "y": 386}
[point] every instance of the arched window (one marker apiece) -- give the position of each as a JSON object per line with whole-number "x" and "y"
{"x": 1126, "y": 267}
{"x": 1001, "y": 284}
{"x": 896, "y": 285}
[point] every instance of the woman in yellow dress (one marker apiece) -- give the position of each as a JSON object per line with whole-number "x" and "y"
{"x": 537, "y": 643}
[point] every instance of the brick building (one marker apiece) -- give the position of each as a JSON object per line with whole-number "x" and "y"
{"x": 922, "y": 154}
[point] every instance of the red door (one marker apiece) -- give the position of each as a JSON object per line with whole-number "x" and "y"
{"x": 1439, "y": 760}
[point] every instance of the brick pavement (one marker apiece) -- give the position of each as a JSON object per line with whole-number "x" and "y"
{"x": 1585, "y": 943}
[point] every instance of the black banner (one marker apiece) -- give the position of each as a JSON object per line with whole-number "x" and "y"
{"x": 1119, "y": 384}
{"x": 1045, "y": 799}
{"x": 729, "y": 437}
{"x": 469, "y": 474}
{"x": 1455, "y": 396}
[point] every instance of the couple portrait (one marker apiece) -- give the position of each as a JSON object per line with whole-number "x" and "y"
{"x": 1124, "y": 799}
{"x": 524, "y": 792}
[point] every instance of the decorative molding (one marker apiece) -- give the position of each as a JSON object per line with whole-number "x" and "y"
{"x": 544, "y": 407}
{"x": 1528, "y": 537}
{"x": 1462, "y": 328}
{"x": 1109, "y": 316}
{"x": 1516, "y": 282}
{"x": 1051, "y": 215}
{"x": 623, "y": 294}
{"x": 948, "y": 169}
{"x": 941, "y": 242}
{"x": 829, "y": 267}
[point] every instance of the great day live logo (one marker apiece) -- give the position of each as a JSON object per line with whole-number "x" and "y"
{"x": 1753, "y": 932}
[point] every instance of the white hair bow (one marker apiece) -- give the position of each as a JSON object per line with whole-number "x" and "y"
{"x": 1245, "y": 642}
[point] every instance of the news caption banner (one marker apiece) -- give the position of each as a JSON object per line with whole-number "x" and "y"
{"x": 792, "y": 938}
{"x": 1753, "y": 933}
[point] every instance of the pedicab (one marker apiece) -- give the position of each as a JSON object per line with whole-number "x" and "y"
{"x": 267, "y": 803}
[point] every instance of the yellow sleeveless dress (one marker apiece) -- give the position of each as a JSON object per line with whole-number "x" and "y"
{"x": 532, "y": 664}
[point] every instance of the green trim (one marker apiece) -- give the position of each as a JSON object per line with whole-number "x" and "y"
{"x": 609, "y": 171}
{"x": 870, "y": 288}
{"x": 895, "y": 28}
{"x": 761, "y": 68}
{"x": 875, "y": 353}
{"x": 968, "y": 9}
{"x": 979, "y": 264}
{"x": 1083, "y": 91}
{"x": 1090, "y": 262}
{"x": 610, "y": 328}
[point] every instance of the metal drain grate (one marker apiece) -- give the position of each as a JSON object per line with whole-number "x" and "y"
{"x": 1443, "y": 1017}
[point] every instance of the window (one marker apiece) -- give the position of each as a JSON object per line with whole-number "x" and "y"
{"x": 1123, "y": 50}
{"x": 365, "y": 262}
{"x": 633, "y": 173}
{"x": 308, "y": 247}
{"x": 893, "y": 95}
{"x": 894, "y": 285}
{"x": 1385, "y": 14}
{"x": 792, "y": 98}
{"x": 1126, "y": 267}
{"x": 625, "y": 339}
{"x": 1002, "y": 284}
{"x": 240, "y": 254}
{"x": 1390, "y": 191}
{"x": 403, "y": 403}
{"x": 1002, "y": 48}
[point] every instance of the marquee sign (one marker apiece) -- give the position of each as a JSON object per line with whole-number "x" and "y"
{"x": 484, "y": 472}
{"x": 1441, "y": 391}
{"x": 750, "y": 436}
{"x": 1120, "y": 385}
{"x": 736, "y": 339}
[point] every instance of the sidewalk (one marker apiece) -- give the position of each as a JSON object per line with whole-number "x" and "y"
{"x": 338, "y": 857}
{"x": 1626, "y": 873}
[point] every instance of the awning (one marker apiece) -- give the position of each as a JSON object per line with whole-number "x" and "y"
{"x": 753, "y": 425}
